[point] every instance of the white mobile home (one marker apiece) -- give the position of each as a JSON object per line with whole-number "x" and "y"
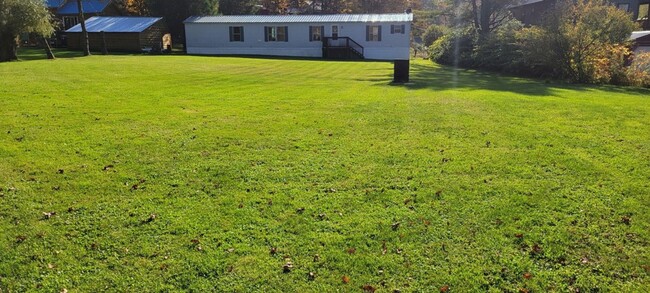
{"x": 341, "y": 36}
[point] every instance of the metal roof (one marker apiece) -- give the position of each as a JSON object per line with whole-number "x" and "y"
{"x": 639, "y": 34}
{"x": 89, "y": 6}
{"x": 54, "y": 3}
{"x": 524, "y": 3}
{"x": 331, "y": 18}
{"x": 121, "y": 24}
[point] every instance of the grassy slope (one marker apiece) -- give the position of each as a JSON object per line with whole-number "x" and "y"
{"x": 230, "y": 150}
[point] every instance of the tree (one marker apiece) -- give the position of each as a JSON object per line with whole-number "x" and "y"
{"x": 332, "y": 6}
{"x": 84, "y": 32}
{"x": 276, "y": 6}
{"x": 176, "y": 11}
{"x": 21, "y": 16}
{"x": 384, "y": 6}
{"x": 576, "y": 38}
{"x": 135, "y": 7}
{"x": 237, "y": 7}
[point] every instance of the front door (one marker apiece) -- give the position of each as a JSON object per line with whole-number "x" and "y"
{"x": 335, "y": 32}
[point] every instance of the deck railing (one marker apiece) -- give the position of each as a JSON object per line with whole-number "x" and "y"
{"x": 343, "y": 42}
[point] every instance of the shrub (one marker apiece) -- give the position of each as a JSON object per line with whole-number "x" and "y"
{"x": 638, "y": 73}
{"x": 433, "y": 33}
{"x": 499, "y": 51}
{"x": 455, "y": 48}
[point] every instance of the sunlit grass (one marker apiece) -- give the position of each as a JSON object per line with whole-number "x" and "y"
{"x": 181, "y": 173}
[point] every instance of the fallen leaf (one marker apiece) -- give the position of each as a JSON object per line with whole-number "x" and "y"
{"x": 21, "y": 238}
{"x": 287, "y": 267}
{"x": 523, "y": 290}
{"x": 151, "y": 218}
{"x": 48, "y": 215}
{"x": 108, "y": 167}
{"x": 444, "y": 289}
{"x": 384, "y": 249}
{"x": 64, "y": 290}
{"x": 536, "y": 249}
{"x": 519, "y": 235}
{"x": 527, "y": 276}
{"x": 626, "y": 220}
{"x": 351, "y": 250}
{"x": 50, "y": 266}
{"x": 368, "y": 288}
{"x": 345, "y": 279}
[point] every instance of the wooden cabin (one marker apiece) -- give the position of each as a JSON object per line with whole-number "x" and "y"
{"x": 66, "y": 14}
{"x": 125, "y": 34}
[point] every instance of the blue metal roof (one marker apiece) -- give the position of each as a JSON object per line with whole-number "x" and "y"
{"x": 89, "y": 6}
{"x": 122, "y": 24}
{"x": 54, "y": 3}
{"x": 332, "y": 18}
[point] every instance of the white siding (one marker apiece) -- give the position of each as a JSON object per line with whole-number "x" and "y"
{"x": 214, "y": 39}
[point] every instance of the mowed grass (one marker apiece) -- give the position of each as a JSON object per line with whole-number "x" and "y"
{"x": 183, "y": 173}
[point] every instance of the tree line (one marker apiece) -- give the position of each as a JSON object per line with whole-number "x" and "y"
{"x": 576, "y": 41}
{"x": 175, "y": 11}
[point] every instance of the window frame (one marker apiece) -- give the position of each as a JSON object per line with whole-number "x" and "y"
{"x": 234, "y": 35}
{"x": 647, "y": 11}
{"x": 276, "y": 34}
{"x": 394, "y": 29}
{"x": 313, "y": 36}
{"x": 370, "y": 33}
{"x": 70, "y": 19}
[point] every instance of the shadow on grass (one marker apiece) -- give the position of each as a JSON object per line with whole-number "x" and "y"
{"x": 29, "y": 54}
{"x": 439, "y": 78}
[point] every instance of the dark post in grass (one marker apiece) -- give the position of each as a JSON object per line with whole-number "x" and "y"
{"x": 401, "y": 71}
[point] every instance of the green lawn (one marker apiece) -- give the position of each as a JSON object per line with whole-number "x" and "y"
{"x": 183, "y": 173}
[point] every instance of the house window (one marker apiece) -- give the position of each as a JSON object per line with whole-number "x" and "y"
{"x": 70, "y": 21}
{"x": 236, "y": 33}
{"x": 276, "y": 34}
{"x": 316, "y": 33}
{"x": 623, "y": 6}
{"x": 373, "y": 33}
{"x": 397, "y": 29}
{"x": 643, "y": 11}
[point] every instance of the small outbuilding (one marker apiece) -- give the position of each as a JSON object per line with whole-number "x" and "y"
{"x": 126, "y": 34}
